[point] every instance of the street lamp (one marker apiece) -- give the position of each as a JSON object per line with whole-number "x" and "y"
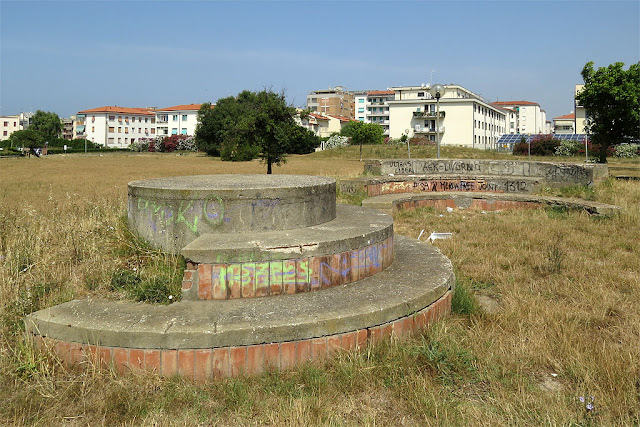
{"x": 586, "y": 141}
{"x": 437, "y": 91}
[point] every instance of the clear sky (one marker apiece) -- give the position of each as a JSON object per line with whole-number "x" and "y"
{"x": 67, "y": 56}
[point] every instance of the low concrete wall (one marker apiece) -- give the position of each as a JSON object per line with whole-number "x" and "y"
{"x": 553, "y": 173}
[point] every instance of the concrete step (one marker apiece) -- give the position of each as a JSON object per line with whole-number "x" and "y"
{"x": 419, "y": 276}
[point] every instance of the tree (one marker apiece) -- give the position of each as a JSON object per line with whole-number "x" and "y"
{"x": 27, "y": 138}
{"x": 365, "y": 133}
{"x": 303, "y": 141}
{"x": 252, "y": 124}
{"x": 46, "y": 124}
{"x": 611, "y": 98}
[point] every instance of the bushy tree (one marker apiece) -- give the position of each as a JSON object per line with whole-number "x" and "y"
{"x": 252, "y": 124}
{"x": 364, "y": 133}
{"x": 28, "y": 138}
{"x": 541, "y": 145}
{"x": 46, "y": 124}
{"x": 303, "y": 141}
{"x": 611, "y": 97}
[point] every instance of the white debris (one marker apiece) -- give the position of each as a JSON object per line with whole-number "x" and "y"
{"x": 436, "y": 236}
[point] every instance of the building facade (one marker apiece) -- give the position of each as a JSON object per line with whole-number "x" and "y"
{"x": 464, "y": 118}
{"x": 177, "y": 120}
{"x": 335, "y": 101}
{"x": 580, "y": 113}
{"x": 529, "y": 118}
{"x": 564, "y": 124}
{"x": 377, "y": 108}
{"x": 115, "y": 127}
{"x": 10, "y": 124}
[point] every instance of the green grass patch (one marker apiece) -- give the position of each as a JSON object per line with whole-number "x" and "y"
{"x": 463, "y": 301}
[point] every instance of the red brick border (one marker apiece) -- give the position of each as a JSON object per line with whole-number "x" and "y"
{"x": 270, "y": 278}
{"x": 207, "y": 364}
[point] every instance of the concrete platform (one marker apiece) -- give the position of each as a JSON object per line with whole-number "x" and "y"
{"x": 485, "y": 201}
{"x": 171, "y": 212}
{"x": 352, "y": 228}
{"x": 420, "y": 276}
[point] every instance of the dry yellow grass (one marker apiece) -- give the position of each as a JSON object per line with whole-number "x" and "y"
{"x": 564, "y": 290}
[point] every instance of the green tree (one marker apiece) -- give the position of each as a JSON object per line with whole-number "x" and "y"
{"x": 252, "y": 124}
{"x": 27, "y": 138}
{"x": 364, "y": 133}
{"x": 46, "y": 124}
{"x": 611, "y": 97}
{"x": 303, "y": 141}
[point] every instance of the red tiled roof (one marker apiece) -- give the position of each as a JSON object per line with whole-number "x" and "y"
{"x": 381, "y": 92}
{"x": 343, "y": 119}
{"x": 185, "y": 107}
{"x": 318, "y": 116}
{"x": 514, "y": 103}
{"x": 119, "y": 110}
{"x": 566, "y": 117}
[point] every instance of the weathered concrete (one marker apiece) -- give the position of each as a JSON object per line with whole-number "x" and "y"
{"x": 553, "y": 173}
{"x": 390, "y": 202}
{"x": 419, "y": 276}
{"x": 375, "y": 186}
{"x": 353, "y": 227}
{"x": 172, "y": 212}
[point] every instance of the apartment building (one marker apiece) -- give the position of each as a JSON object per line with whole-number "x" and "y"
{"x": 564, "y": 124}
{"x": 465, "y": 118}
{"x": 177, "y": 120}
{"x": 360, "y": 100}
{"x": 580, "y": 112}
{"x": 115, "y": 127}
{"x": 336, "y": 101}
{"x": 377, "y": 108}
{"x": 9, "y": 124}
{"x": 67, "y": 127}
{"x": 529, "y": 117}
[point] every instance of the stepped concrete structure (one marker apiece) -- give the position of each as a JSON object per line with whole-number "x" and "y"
{"x": 277, "y": 275}
{"x": 496, "y": 176}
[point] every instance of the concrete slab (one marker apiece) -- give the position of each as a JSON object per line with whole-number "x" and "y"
{"x": 354, "y": 227}
{"x": 388, "y": 202}
{"x": 419, "y": 276}
{"x": 171, "y": 212}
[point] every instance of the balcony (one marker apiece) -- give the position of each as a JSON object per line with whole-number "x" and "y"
{"x": 428, "y": 130}
{"x": 427, "y": 114}
{"x": 377, "y": 113}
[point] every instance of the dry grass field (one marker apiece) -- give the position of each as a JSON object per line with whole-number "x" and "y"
{"x": 546, "y": 311}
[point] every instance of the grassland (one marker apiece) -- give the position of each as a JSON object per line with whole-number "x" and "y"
{"x": 547, "y": 310}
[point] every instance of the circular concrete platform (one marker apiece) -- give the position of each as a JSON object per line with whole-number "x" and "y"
{"x": 171, "y": 212}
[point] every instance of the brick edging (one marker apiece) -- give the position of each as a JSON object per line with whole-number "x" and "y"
{"x": 208, "y": 364}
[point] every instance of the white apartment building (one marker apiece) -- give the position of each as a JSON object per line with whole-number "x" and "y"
{"x": 115, "y": 127}
{"x": 530, "y": 118}
{"x": 360, "y": 99}
{"x": 564, "y": 124}
{"x": 377, "y": 108}
{"x": 580, "y": 112}
{"x": 465, "y": 118}
{"x": 10, "y": 124}
{"x": 177, "y": 120}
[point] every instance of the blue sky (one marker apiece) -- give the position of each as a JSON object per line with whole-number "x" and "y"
{"x": 74, "y": 55}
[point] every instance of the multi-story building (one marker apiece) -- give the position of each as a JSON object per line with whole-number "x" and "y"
{"x": 67, "y": 128}
{"x": 177, "y": 120}
{"x": 335, "y": 101}
{"x": 580, "y": 112}
{"x": 114, "y": 126}
{"x": 530, "y": 118}
{"x": 9, "y": 124}
{"x": 465, "y": 118}
{"x": 377, "y": 108}
{"x": 360, "y": 100}
{"x": 564, "y": 124}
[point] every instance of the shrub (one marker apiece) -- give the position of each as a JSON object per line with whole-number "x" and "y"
{"x": 336, "y": 141}
{"x": 627, "y": 150}
{"x": 541, "y": 145}
{"x": 568, "y": 148}
{"x": 421, "y": 140}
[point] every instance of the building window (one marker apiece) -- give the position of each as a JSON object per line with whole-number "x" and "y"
{"x": 174, "y": 131}
{"x": 153, "y": 131}
{"x": 139, "y": 130}
{"x": 4, "y": 133}
{"x": 183, "y": 131}
{"x": 361, "y": 101}
{"x": 110, "y": 140}
{"x": 93, "y": 128}
{"x": 119, "y": 129}
{"x": 126, "y": 130}
{"x": 153, "y": 120}
{"x": 6, "y": 123}
{"x": 111, "y": 119}
{"x": 361, "y": 110}
{"x": 175, "y": 117}
{"x": 184, "y": 117}
{"x": 420, "y": 94}
{"x": 119, "y": 140}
